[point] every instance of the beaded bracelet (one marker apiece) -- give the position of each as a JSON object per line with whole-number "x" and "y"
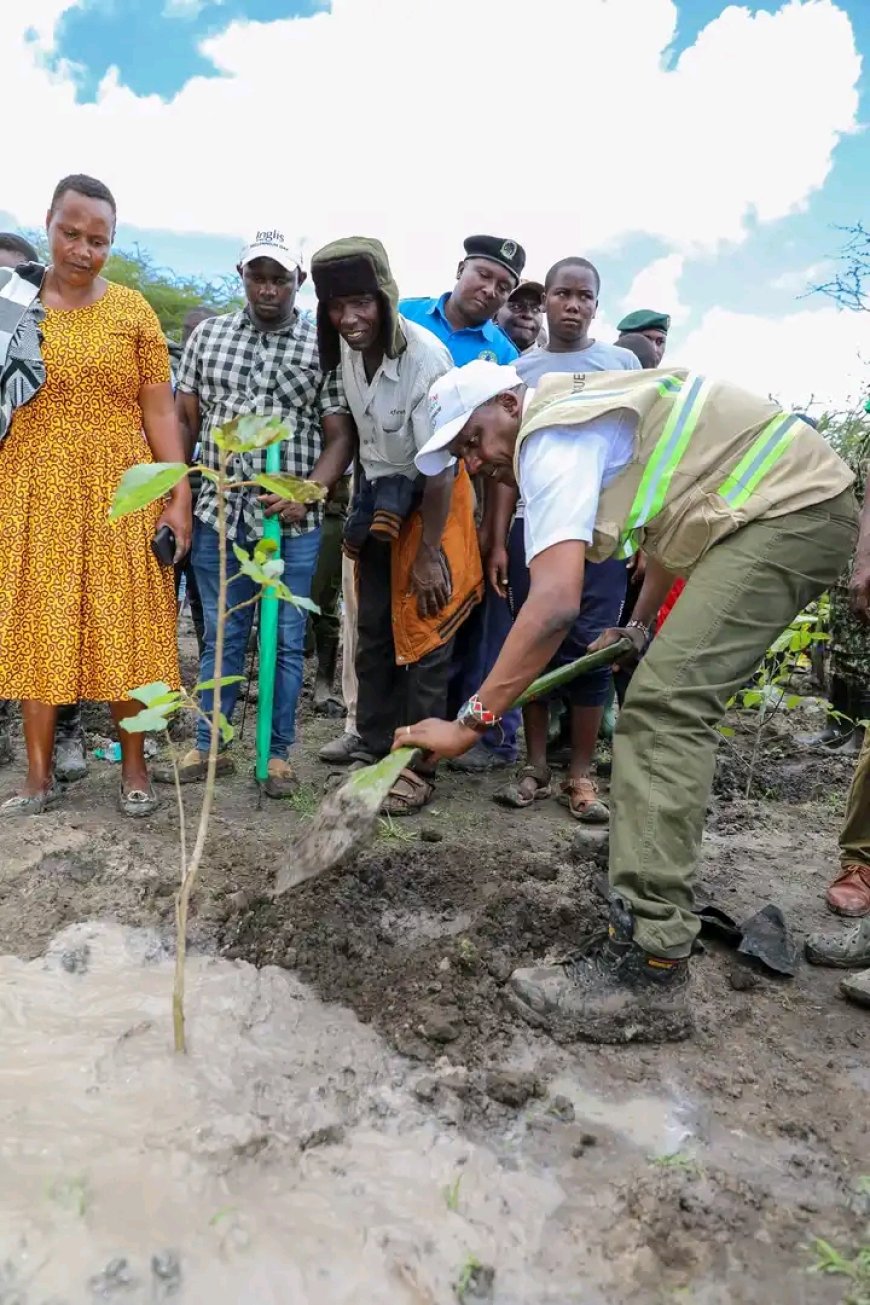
{"x": 476, "y": 716}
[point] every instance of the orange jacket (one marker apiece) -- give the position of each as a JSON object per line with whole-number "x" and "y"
{"x": 414, "y": 635}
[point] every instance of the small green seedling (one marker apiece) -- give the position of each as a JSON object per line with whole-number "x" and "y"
{"x": 144, "y": 484}
{"x": 451, "y": 1194}
{"x": 471, "y": 1266}
{"x": 681, "y": 1160}
{"x": 304, "y": 801}
{"x": 72, "y": 1194}
{"x": 219, "y": 1215}
{"x": 467, "y": 953}
{"x": 856, "y": 1269}
{"x": 389, "y": 830}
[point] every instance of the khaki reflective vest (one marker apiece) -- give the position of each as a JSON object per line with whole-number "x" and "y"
{"x": 708, "y": 458}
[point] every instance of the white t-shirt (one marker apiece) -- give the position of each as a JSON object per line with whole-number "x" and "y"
{"x": 596, "y": 357}
{"x": 562, "y": 471}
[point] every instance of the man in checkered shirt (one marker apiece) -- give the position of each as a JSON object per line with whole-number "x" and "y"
{"x": 262, "y": 359}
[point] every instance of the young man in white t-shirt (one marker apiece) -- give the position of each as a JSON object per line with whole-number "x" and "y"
{"x": 571, "y": 291}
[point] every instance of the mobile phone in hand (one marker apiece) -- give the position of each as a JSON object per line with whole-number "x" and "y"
{"x": 163, "y": 546}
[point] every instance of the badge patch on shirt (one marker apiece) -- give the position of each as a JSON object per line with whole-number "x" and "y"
{"x": 487, "y": 355}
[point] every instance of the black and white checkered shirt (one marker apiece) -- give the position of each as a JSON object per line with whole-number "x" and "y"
{"x": 235, "y": 369}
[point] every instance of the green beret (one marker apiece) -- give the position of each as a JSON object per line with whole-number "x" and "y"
{"x": 644, "y": 319}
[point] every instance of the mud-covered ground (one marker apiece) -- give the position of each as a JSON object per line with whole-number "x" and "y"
{"x": 698, "y": 1172}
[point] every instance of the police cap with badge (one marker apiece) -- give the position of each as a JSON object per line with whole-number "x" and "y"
{"x": 507, "y": 253}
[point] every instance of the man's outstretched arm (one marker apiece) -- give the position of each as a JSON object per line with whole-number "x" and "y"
{"x": 543, "y": 622}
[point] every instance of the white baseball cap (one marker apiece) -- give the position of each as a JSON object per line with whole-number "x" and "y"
{"x": 269, "y": 242}
{"x": 452, "y": 400}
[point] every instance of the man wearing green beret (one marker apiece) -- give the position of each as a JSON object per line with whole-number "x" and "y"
{"x": 644, "y": 321}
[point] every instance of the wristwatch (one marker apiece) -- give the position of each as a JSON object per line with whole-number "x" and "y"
{"x": 644, "y": 629}
{"x": 475, "y": 716}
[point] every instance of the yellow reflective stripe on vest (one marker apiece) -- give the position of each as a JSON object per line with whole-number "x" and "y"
{"x": 757, "y": 461}
{"x": 670, "y": 447}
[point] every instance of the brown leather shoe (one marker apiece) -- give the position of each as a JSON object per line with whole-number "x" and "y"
{"x": 849, "y": 894}
{"x": 282, "y": 781}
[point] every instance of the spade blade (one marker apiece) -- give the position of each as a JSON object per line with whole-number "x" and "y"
{"x": 346, "y": 817}
{"x": 344, "y": 820}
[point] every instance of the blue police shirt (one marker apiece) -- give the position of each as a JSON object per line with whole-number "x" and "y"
{"x": 487, "y": 341}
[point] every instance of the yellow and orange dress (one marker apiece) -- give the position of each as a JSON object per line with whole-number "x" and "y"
{"x": 86, "y": 611}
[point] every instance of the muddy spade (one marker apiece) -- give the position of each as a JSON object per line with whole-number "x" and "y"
{"x": 268, "y": 642}
{"x": 347, "y": 816}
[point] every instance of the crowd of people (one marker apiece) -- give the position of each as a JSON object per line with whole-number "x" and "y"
{"x": 503, "y": 492}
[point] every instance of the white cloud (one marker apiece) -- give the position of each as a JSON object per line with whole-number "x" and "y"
{"x": 799, "y": 281}
{"x": 371, "y": 117}
{"x": 657, "y": 286}
{"x": 818, "y": 355}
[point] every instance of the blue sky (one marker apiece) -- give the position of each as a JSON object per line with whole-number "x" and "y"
{"x": 803, "y": 239}
{"x": 154, "y": 43}
{"x": 727, "y": 205}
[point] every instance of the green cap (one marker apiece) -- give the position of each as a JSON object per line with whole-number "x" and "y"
{"x": 644, "y": 319}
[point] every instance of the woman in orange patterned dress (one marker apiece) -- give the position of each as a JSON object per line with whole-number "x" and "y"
{"x": 86, "y": 611}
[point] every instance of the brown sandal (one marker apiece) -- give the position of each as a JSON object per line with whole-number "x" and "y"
{"x": 512, "y": 795}
{"x": 410, "y": 794}
{"x": 581, "y": 798}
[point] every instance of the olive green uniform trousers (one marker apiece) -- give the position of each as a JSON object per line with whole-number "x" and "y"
{"x": 855, "y": 835}
{"x": 743, "y": 593}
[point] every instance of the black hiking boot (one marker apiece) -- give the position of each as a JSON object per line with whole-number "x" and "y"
{"x": 840, "y": 729}
{"x": 612, "y": 991}
{"x": 70, "y": 749}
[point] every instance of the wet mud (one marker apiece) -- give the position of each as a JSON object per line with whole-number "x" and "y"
{"x": 699, "y": 1172}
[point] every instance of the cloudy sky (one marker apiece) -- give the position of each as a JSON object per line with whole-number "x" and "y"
{"x": 700, "y": 153}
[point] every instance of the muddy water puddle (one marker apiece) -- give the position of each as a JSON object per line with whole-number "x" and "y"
{"x": 292, "y": 1159}
{"x": 284, "y": 1160}
{"x": 659, "y": 1127}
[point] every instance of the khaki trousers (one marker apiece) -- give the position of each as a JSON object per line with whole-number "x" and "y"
{"x": 740, "y": 597}
{"x": 348, "y": 643}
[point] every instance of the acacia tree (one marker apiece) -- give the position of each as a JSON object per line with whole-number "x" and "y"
{"x": 848, "y": 286}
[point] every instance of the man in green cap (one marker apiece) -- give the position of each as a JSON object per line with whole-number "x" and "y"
{"x": 645, "y": 321}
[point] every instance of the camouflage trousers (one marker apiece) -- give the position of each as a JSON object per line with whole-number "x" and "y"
{"x": 850, "y": 640}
